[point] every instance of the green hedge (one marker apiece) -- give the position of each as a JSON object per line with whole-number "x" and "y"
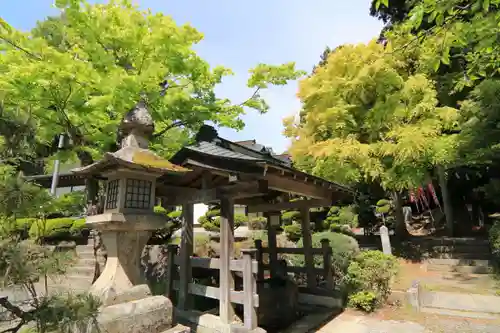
{"x": 64, "y": 227}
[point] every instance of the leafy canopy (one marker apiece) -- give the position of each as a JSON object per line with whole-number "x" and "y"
{"x": 80, "y": 72}
{"x": 454, "y": 29}
{"x": 367, "y": 115}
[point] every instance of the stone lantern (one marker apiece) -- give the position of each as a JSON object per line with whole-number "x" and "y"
{"x": 128, "y": 219}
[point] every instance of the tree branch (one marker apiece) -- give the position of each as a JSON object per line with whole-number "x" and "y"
{"x": 166, "y": 129}
{"x": 252, "y": 97}
{"x": 20, "y": 48}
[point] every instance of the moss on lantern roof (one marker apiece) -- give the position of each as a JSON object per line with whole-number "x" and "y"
{"x": 149, "y": 159}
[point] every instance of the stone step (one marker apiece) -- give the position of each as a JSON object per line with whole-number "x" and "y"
{"x": 457, "y": 256}
{"x": 460, "y": 262}
{"x": 460, "y": 248}
{"x": 82, "y": 270}
{"x": 85, "y": 249}
{"x": 90, "y": 262}
{"x": 71, "y": 278}
{"x": 460, "y": 269}
{"x": 461, "y": 302}
{"x": 178, "y": 329}
{"x": 451, "y": 241}
{"x": 457, "y": 313}
{"x": 71, "y": 282}
{"x": 86, "y": 255}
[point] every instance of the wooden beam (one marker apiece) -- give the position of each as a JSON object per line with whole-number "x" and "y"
{"x": 237, "y": 297}
{"x": 289, "y": 205}
{"x": 298, "y": 187}
{"x": 182, "y": 195}
{"x": 215, "y": 263}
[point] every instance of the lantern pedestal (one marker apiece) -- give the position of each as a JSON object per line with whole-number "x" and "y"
{"x": 124, "y": 236}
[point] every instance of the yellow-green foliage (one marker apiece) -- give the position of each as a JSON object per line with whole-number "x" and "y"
{"x": 366, "y": 116}
{"x": 293, "y": 231}
{"x": 109, "y": 77}
{"x": 78, "y": 226}
{"x": 50, "y": 227}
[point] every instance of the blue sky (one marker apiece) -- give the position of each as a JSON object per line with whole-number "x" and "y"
{"x": 241, "y": 34}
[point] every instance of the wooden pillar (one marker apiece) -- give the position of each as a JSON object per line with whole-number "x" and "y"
{"x": 327, "y": 263}
{"x": 249, "y": 290}
{"x": 187, "y": 245}
{"x": 260, "y": 261}
{"x": 171, "y": 253}
{"x": 226, "y": 311}
{"x": 273, "y": 221}
{"x": 307, "y": 242}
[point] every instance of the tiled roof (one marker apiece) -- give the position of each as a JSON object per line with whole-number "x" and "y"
{"x": 212, "y": 148}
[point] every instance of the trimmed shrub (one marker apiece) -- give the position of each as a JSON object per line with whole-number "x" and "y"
{"x": 58, "y": 228}
{"x": 79, "y": 228}
{"x": 293, "y": 231}
{"x": 24, "y": 223}
{"x": 18, "y": 227}
{"x": 176, "y": 214}
{"x": 160, "y": 210}
{"x": 211, "y": 222}
{"x": 290, "y": 217}
{"x": 363, "y": 300}
{"x": 212, "y": 213}
{"x": 342, "y": 229}
{"x": 172, "y": 223}
{"x": 257, "y": 223}
{"x": 369, "y": 279}
{"x": 384, "y": 206}
{"x": 344, "y": 250}
{"x": 341, "y": 216}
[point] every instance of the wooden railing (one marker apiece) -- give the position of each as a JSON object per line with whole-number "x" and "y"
{"x": 248, "y": 297}
{"x": 326, "y": 251}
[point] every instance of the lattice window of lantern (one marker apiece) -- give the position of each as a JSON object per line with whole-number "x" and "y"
{"x": 112, "y": 196}
{"x": 138, "y": 193}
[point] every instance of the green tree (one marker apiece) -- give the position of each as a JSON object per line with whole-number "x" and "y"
{"x": 80, "y": 72}
{"x": 370, "y": 116}
{"x": 24, "y": 264}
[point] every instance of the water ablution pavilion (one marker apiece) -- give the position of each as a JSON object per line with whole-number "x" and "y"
{"x": 210, "y": 170}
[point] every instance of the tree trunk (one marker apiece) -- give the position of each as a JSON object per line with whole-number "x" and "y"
{"x": 448, "y": 210}
{"x": 401, "y": 230}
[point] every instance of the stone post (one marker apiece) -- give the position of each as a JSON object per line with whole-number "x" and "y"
{"x": 124, "y": 237}
{"x": 384, "y": 238}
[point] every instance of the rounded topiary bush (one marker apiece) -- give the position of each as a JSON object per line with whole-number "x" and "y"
{"x": 79, "y": 229}
{"x": 172, "y": 223}
{"x": 344, "y": 250}
{"x": 290, "y": 217}
{"x": 293, "y": 231}
{"x": 211, "y": 220}
{"x": 257, "y": 223}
